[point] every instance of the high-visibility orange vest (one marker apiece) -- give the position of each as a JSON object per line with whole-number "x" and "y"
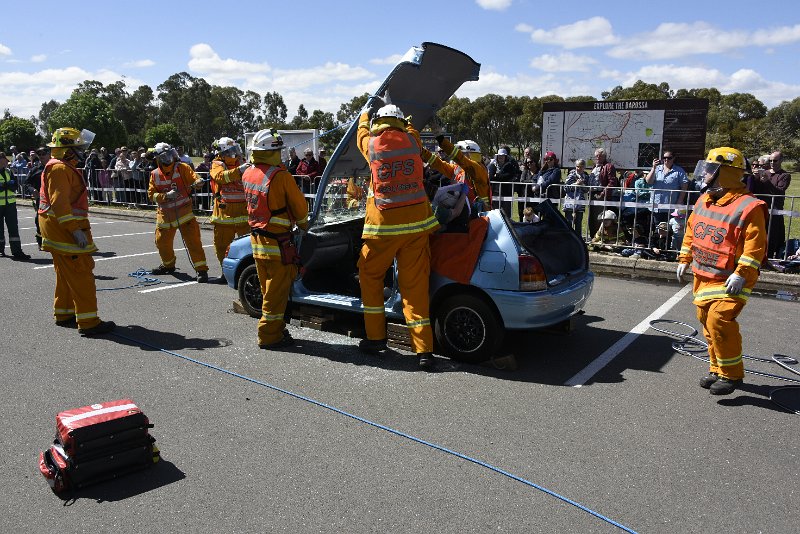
{"x": 396, "y": 170}
{"x": 164, "y": 184}
{"x": 256, "y": 182}
{"x": 717, "y": 232}
{"x": 80, "y": 207}
{"x": 231, "y": 192}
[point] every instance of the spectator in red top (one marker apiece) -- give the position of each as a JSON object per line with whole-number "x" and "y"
{"x": 774, "y": 180}
{"x": 308, "y": 170}
{"x": 605, "y": 177}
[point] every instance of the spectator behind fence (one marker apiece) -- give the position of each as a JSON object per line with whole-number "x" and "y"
{"x": 550, "y": 174}
{"x": 669, "y": 182}
{"x": 604, "y": 177}
{"x": 205, "y": 166}
{"x": 19, "y": 166}
{"x": 774, "y": 180}
{"x": 122, "y": 176}
{"x": 530, "y": 168}
{"x": 323, "y": 161}
{"x": 139, "y": 174}
{"x": 608, "y": 236}
{"x": 292, "y": 162}
{"x": 308, "y": 170}
{"x": 575, "y": 192}
{"x": 505, "y": 170}
{"x": 184, "y": 157}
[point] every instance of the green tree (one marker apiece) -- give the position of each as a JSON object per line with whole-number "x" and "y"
{"x": 15, "y": 131}
{"x": 639, "y": 91}
{"x": 186, "y": 103}
{"x": 85, "y": 110}
{"x": 783, "y": 126}
{"x": 300, "y": 121}
{"x": 44, "y": 114}
{"x": 275, "y": 111}
{"x": 163, "y": 133}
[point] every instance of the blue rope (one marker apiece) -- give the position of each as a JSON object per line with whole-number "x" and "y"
{"x": 386, "y": 428}
{"x": 144, "y": 281}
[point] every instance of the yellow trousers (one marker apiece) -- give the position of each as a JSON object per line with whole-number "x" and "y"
{"x": 721, "y": 330}
{"x": 76, "y": 295}
{"x": 413, "y": 253}
{"x": 190, "y": 230}
{"x": 276, "y": 281}
{"x": 224, "y": 234}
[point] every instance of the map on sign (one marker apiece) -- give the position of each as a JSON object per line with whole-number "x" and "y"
{"x": 632, "y": 132}
{"x": 631, "y": 138}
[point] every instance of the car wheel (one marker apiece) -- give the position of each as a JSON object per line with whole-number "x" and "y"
{"x": 250, "y": 291}
{"x": 467, "y": 329}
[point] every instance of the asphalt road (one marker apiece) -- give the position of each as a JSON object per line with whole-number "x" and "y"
{"x": 638, "y": 442}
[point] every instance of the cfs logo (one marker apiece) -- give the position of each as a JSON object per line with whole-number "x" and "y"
{"x": 389, "y": 170}
{"x": 715, "y": 233}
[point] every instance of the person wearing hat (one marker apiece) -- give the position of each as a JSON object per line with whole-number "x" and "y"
{"x": 609, "y": 235}
{"x": 8, "y": 211}
{"x": 725, "y": 243}
{"x": 503, "y": 171}
{"x": 67, "y": 235}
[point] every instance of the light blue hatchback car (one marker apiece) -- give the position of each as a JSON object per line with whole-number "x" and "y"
{"x": 527, "y": 275}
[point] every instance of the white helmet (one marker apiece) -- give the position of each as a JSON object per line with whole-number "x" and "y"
{"x": 165, "y": 153}
{"x": 468, "y": 145}
{"x": 390, "y": 110}
{"x": 608, "y": 215}
{"x": 267, "y": 139}
{"x": 228, "y": 147}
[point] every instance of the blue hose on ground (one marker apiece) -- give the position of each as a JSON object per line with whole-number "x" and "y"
{"x": 143, "y": 281}
{"x": 386, "y": 428}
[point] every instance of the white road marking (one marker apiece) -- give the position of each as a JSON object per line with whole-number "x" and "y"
{"x": 614, "y": 350}
{"x": 170, "y": 286}
{"x": 93, "y": 223}
{"x": 121, "y": 257}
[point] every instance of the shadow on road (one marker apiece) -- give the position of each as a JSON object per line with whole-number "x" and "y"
{"x": 155, "y": 340}
{"x": 161, "y": 474}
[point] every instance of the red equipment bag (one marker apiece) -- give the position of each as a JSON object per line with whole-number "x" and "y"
{"x": 98, "y": 442}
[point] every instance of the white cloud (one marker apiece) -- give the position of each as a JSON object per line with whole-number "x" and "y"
{"x": 38, "y": 58}
{"x": 139, "y": 63}
{"x": 596, "y": 31}
{"x": 29, "y": 90}
{"x": 4, "y": 50}
{"x": 771, "y": 93}
{"x": 494, "y": 5}
{"x": 673, "y": 40}
{"x": 391, "y": 60}
{"x": 205, "y": 60}
{"x": 566, "y": 62}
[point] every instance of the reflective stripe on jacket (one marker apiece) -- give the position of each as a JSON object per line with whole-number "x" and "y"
{"x": 80, "y": 206}
{"x": 230, "y": 192}
{"x": 717, "y": 232}
{"x": 165, "y": 185}
{"x": 396, "y": 170}
{"x": 256, "y": 181}
{"x": 9, "y": 196}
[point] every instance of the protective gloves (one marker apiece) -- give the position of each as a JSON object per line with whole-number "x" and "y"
{"x": 734, "y": 284}
{"x": 372, "y": 105}
{"x": 243, "y": 167}
{"x": 198, "y": 184}
{"x": 439, "y": 138}
{"x": 681, "y": 271}
{"x": 80, "y": 238}
{"x": 172, "y": 194}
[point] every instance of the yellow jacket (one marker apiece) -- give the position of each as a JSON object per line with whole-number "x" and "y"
{"x": 283, "y": 192}
{"x": 173, "y": 217}
{"x": 754, "y": 245}
{"x": 64, "y": 185}
{"x": 396, "y": 221}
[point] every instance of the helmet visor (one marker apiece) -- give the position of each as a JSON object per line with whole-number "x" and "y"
{"x": 87, "y": 137}
{"x": 165, "y": 157}
{"x": 706, "y": 171}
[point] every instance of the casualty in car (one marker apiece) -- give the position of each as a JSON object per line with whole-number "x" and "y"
{"x": 499, "y": 275}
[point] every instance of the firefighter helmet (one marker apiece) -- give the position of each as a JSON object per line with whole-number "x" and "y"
{"x": 227, "y": 147}
{"x": 70, "y": 137}
{"x": 266, "y": 139}
{"x": 390, "y": 110}
{"x": 725, "y": 166}
{"x": 165, "y": 154}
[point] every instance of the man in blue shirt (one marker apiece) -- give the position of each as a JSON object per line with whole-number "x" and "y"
{"x": 669, "y": 184}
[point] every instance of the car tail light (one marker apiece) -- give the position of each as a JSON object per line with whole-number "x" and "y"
{"x": 227, "y": 250}
{"x": 531, "y": 274}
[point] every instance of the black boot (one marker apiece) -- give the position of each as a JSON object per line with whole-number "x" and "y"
{"x": 161, "y": 269}
{"x": 709, "y": 379}
{"x": 103, "y": 327}
{"x": 67, "y": 323}
{"x": 19, "y": 255}
{"x": 372, "y": 346}
{"x": 202, "y": 277}
{"x": 286, "y": 341}
{"x": 724, "y": 386}
{"x": 426, "y": 361}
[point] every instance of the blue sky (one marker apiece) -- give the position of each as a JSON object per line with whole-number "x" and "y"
{"x": 323, "y": 53}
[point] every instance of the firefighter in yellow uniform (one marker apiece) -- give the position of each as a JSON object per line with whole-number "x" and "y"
{"x": 170, "y": 184}
{"x": 398, "y": 223}
{"x": 64, "y": 223}
{"x": 468, "y": 169}
{"x": 725, "y": 242}
{"x": 229, "y": 216}
{"x": 274, "y": 205}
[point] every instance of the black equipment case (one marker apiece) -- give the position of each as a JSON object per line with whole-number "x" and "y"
{"x": 96, "y": 443}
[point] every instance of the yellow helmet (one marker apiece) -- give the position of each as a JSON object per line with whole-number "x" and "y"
{"x": 70, "y": 137}
{"x": 725, "y": 165}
